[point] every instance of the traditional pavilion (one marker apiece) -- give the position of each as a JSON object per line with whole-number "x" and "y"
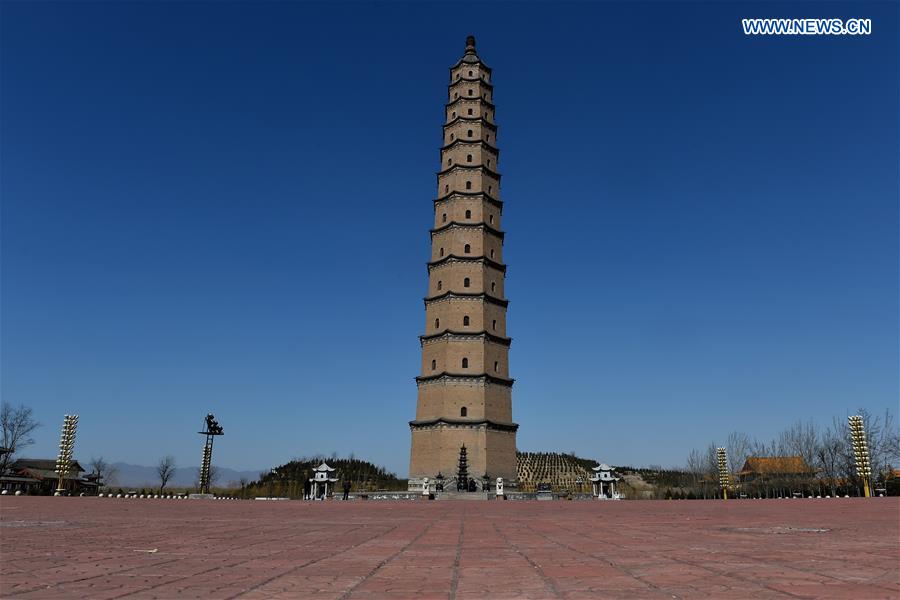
{"x": 322, "y": 477}
{"x": 464, "y": 387}
{"x": 604, "y": 483}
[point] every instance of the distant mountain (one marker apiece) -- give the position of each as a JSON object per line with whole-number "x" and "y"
{"x": 137, "y": 476}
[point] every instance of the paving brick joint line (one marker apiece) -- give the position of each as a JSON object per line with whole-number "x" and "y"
{"x": 310, "y": 563}
{"x": 551, "y": 587}
{"x": 454, "y": 579}
{"x": 105, "y": 549}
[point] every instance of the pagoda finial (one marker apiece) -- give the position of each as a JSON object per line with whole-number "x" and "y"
{"x": 470, "y": 44}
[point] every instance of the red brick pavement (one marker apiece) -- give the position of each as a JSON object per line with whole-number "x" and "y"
{"x": 112, "y": 548}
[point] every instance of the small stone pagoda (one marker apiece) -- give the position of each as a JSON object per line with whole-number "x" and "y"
{"x": 604, "y": 483}
{"x": 322, "y": 476}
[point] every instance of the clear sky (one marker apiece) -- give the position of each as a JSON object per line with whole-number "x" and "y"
{"x": 225, "y": 207}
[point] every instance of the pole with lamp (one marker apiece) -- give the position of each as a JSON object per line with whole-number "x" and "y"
{"x": 211, "y": 429}
{"x": 722, "y": 460}
{"x": 66, "y": 446}
{"x": 861, "y": 451}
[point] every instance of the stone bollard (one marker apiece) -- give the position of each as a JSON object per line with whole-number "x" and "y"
{"x": 499, "y": 492}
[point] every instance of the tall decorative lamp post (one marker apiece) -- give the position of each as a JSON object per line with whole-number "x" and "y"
{"x": 722, "y": 459}
{"x": 860, "y": 450}
{"x": 66, "y": 446}
{"x": 211, "y": 429}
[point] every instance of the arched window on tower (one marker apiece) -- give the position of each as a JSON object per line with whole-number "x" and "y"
{"x": 465, "y": 320}
{"x": 490, "y": 189}
{"x": 440, "y": 285}
{"x": 466, "y": 282}
{"x": 453, "y": 115}
{"x": 496, "y": 366}
{"x": 468, "y": 185}
{"x": 494, "y": 325}
{"x": 467, "y": 248}
{"x": 470, "y": 111}
{"x": 444, "y": 218}
{"x": 488, "y": 137}
{"x": 471, "y": 92}
{"x": 442, "y": 251}
{"x": 493, "y": 287}
{"x": 449, "y": 161}
{"x": 433, "y": 365}
{"x": 468, "y": 214}
{"x": 437, "y": 323}
{"x": 452, "y": 137}
{"x": 465, "y": 363}
{"x": 446, "y": 188}
{"x": 492, "y": 253}
{"x": 469, "y": 133}
{"x": 468, "y": 158}
{"x": 463, "y": 412}
{"x": 470, "y": 73}
{"x": 491, "y": 219}
{"x": 489, "y": 162}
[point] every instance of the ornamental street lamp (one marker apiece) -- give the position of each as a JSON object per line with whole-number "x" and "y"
{"x": 211, "y": 429}
{"x": 724, "y": 480}
{"x": 66, "y": 446}
{"x": 860, "y": 451}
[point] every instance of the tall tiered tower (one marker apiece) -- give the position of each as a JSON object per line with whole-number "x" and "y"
{"x": 465, "y": 393}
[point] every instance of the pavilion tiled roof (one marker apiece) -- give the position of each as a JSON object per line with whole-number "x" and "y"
{"x": 769, "y": 465}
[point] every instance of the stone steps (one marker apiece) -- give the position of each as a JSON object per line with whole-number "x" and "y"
{"x": 462, "y": 496}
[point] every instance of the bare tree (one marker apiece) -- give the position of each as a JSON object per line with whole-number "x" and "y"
{"x": 105, "y": 472}
{"x": 165, "y": 469}
{"x": 739, "y": 446}
{"x": 17, "y": 425}
{"x": 800, "y": 439}
{"x": 831, "y": 453}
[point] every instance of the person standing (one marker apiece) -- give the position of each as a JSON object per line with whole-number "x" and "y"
{"x": 346, "y": 489}
{"x": 307, "y": 488}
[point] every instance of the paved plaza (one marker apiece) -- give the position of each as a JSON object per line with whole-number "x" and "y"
{"x": 113, "y": 548}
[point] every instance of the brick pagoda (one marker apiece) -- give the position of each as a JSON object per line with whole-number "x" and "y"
{"x": 465, "y": 392}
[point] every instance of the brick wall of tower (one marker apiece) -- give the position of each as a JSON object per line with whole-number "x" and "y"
{"x": 455, "y": 207}
{"x": 454, "y": 240}
{"x": 451, "y": 276}
{"x": 437, "y": 450}
{"x": 451, "y": 313}
{"x": 482, "y": 401}
{"x": 481, "y": 357}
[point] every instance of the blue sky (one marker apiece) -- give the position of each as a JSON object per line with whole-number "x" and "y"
{"x": 225, "y": 207}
